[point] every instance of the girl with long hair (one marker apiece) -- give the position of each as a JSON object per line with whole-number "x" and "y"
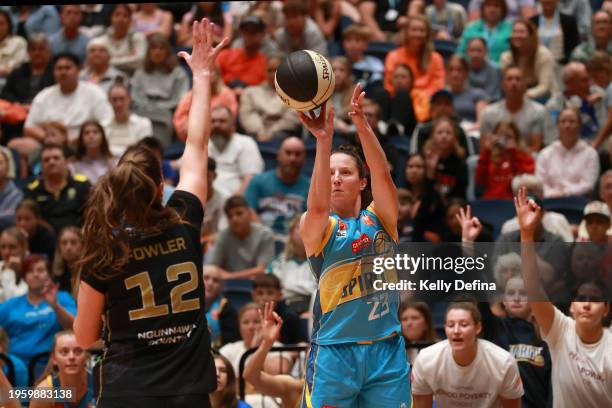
{"x": 225, "y": 396}
{"x": 126, "y": 47}
{"x": 67, "y": 368}
{"x": 580, "y": 346}
{"x": 92, "y": 158}
{"x": 417, "y": 325}
{"x": 359, "y": 323}
{"x": 142, "y": 267}
{"x": 41, "y": 237}
{"x": 468, "y": 102}
{"x": 67, "y": 253}
{"x": 13, "y": 249}
{"x": 427, "y": 65}
{"x": 535, "y": 60}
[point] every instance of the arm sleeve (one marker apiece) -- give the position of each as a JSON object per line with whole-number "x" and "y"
{"x": 419, "y": 377}
{"x": 251, "y": 193}
{"x": 512, "y": 386}
{"x": 545, "y": 75}
{"x": 266, "y": 252}
{"x": 35, "y": 114}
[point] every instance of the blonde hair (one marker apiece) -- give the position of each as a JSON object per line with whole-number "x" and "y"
{"x": 428, "y": 48}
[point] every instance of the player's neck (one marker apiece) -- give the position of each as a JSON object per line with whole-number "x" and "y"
{"x": 466, "y": 358}
{"x": 589, "y": 335}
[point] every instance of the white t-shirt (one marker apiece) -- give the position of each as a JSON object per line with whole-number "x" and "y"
{"x": 87, "y": 102}
{"x": 122, "y": 135}
{"x": 239, "y": 158}
{"x": 491, "y": 376}
{"x": 234, "y": 351}
{"x": 581, "y": 373}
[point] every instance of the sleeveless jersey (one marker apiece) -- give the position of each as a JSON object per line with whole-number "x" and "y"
{"x": 156, "y": 338}
{"x": 87, "y": 401}
{"x": 347, "y": 306}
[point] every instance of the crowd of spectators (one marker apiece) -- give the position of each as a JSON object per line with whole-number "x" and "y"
{"x": 471, "y": 100}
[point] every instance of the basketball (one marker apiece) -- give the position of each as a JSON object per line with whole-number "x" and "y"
{"x": 304, "y": 80}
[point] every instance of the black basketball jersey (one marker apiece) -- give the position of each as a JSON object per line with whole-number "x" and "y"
{"x": 156, "y": 338}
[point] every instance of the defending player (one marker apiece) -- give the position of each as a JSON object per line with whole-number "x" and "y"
{"x": 142, "y": 268}
{"x": 357, "y": 357}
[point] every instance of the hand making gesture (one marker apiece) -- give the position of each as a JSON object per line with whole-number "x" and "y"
{"x": 470, "y": 226}
{"x": 203, "y": 55}
{"x": 528, "y": 213}
{"x": 271, "y": 324}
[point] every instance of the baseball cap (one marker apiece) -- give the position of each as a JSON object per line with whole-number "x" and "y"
{"x": 597, "y": 207}
{"x": 442, "y": 93}
{"x": 253, "y": 22}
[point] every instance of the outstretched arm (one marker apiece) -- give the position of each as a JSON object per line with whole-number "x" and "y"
{"x": 383, "y": 187}
{"x": 529, "y": 215}
{"x": 195, "y": 158}
{"x": 319, "y": 194}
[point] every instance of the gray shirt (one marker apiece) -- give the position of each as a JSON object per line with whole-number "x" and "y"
{"x": 488, "y": 79}
{"x": 312, "y": 39}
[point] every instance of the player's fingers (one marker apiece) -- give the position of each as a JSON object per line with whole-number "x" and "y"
{"x": 184, "y": 55}
{"x": 220, "y": 46}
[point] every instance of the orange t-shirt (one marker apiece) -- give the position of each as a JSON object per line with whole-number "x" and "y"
{"x": 236, "y": 64}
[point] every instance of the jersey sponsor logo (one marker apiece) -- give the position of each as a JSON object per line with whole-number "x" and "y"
{"x": 341, "y": 230}
{"x": 367, "y": 220}
{"x": 527, "y": 353}
{"x": 360, "y": 243}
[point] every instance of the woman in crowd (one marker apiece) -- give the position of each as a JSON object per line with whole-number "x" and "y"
{"x": 501, "y": 159}
{"x": 13, "y": 48}
{"x": 342, "y": 93}
{"x": 226, "y": 394}
{"x": 467, "y": 101}
{"x": 10, "y": 194}
{"x": 68, "y": 252}
{"x": 13, "y": 248}
{"x": 92, "y": 158}
{"x": 490, "y": 371}
{"x": 41, "y": 237}
{"x": 580, "y": 346}
{"x": 67, "y": 369}
{"x": 150, "y": 19}
{"x": 220, "y": 314}
{"x": 32, "y": 319}
{"x": 445, "y": 159}
{"x": 491, "y": 26}
{"x": 417, "y": 326}
{"x": 427, "y": 65}
{"x": 215, "y": 12}
{"x": 557, "y": 31}
{"x": 535, "y": 60}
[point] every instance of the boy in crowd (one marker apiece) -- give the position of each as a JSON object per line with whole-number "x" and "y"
{"x": 367, "y": 70}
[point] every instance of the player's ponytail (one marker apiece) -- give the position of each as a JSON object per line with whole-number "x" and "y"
{"x": 125, "y": 202}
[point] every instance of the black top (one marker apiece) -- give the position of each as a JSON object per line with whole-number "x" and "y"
{"x": 19, "y": 87}
{"x": 387, "y": 13}
{"x": 43, "y": 242}
{"x": 156, "y": 338}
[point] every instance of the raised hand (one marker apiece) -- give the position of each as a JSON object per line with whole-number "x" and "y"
{"x": 470, "y": 226}
{"x": 271, "y": 324}
{"x": 357, "y": 107}
{"x": 321, "y": 127}
{"x": 49, "y": 292}
{"x": 203, "y": 55}
{"x": 528, "y": 213}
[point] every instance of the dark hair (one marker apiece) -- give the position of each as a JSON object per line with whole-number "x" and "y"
{"x": 53, "y": 146}
{"x": 9, "y": 21}
{"x": 150, "y": 143}
{"x": 104, "y": 149}
{"x": 481, "y": 39}
{"x": 509, "y": 67}
{"x": 422, "y": 307}
{"x": 122, "y": 5}
{"x": 215, "y": 15}
{"x": 124, "y": 203}
{"x": 235, "y": 201}
{"x": 267, "y": 280}
{"x": 229, "y": 397}
{"x": 461, "y": 59}
{"x": 501, "y": 3}
{"x": 295, "y": 7}
{"x": 604, "y": 291}
{"x": 357, "y": 155}
{"x": 29, "y": 204}
{"x": 66, "y": 55}
{"x": 170, "y": 62}
{"x": 212, "y": 164}
{"x": 468, "y": 306}
{"x": 407, "y": 68}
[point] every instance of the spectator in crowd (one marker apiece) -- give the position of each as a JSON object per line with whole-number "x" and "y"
{"x": 327, "y": 15}
{"x": 557, "y": 31}
{"x": 127, "y": 48}
{"x": 95, "y": 18}
{"x": 599, "y": 67}
{"x": 529, "y": 116}
{"x": 214, "y": 12}
{"x": 427, "y": 65}
{"x": 126, "y": 127}
{"x": 581, "y": 9}
{"x": 491, "y": 371}
{"x": 92, "y": 158}
{"x": 277, "y": 195}
{"x": 384, "y": 19}
{"x": 242, "y": 250}
{"x": 41, "y": 238}
{"x": 597, "y": 221}
{"x": 367, "y": 69}
{"x": 554, "y": 222}
{"x": 483, "y": 74}
{"x": 516, "y": 9}
{"x": 245, "y": 66}
{"x": 267, "y": 288}
{"x": 452, "y": 228}
{"x": 445, "y": 159}
{"x": 501, "y": 159}
{"x": 262, "y": 113}
{"x": 492, "y": 26}
{"x": 604, "y": 195}
{"x": 10, "y": 194}
{"x": 292, "y": 269}
{"x": 220, "y": 95}
{"x": 60, "y": 195}
{"x": 69, "y": 39}
{"x": 536, "y": 62}
{"x": 150, "y": 19}
{"x": 300, "y": 32}
{"x": 577, "y": 94}
{"x": 70, "y": 101}
{"x": 221, "y": 316}
{"x": 238, "y": 158}
{"x": 568, "y": 166}
{"x": 447, "y": 20}
{"x": 98, "y": 69}
{"x": 67, "y": 368}
{"x": 31, "y": 320}
{"x": 600, "y": 38}
{"x": 468, "y": 102}
{"x": 13, "y": 51}
{"x": 31, "y": 77}
{"x": 32, "y": 19}
{"x": 161, "y": 82}
{"x": 13, "y": 249}
{"x": 226, "y": 394}
{"x": 21, "y": 371}
{"x": 417, "y": 326}
{"x": 343, "y": 91}
{"x": 214, "y": 216}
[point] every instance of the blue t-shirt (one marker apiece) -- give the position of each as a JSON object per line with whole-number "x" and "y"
{"x": 31, "y": 328}
{"x": 21, "y": 371}
{"x": 275, "y": 202}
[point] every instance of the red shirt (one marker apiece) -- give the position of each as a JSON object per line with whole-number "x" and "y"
{"x": 235, "y": 64}
{"x": 496, "y": 178}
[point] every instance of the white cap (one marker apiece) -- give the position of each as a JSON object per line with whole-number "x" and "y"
{"x": 597, "y": 207}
